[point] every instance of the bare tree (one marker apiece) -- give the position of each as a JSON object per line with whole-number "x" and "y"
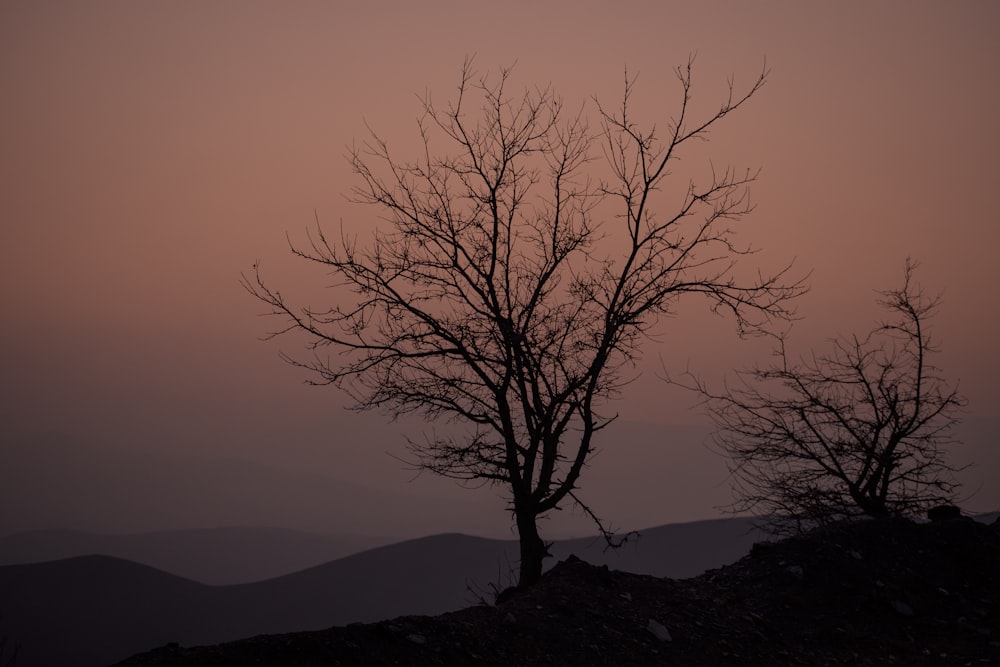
{"x": 508, "y": 288}
{"x": 859, "y": 431}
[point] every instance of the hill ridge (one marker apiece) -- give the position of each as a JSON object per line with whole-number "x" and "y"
{"x": 866, "y": 593}
{"x": 99, "y": 621}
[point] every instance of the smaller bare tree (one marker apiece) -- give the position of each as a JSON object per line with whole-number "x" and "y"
{"x": 859, "y": 431}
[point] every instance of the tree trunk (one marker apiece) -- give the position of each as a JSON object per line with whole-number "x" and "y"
{"x": 533, "y": 549}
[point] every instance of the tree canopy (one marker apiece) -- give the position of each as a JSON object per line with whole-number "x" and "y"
{"x": 518, "y": 264}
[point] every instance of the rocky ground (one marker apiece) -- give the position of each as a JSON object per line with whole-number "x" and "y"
{"x": 868, "y": 593}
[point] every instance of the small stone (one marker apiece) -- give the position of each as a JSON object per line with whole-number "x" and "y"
{"x": 855, "y": 555}
{"x": 902, "y": 608}
{"x": 796, "y": 571}
{"x": 659, "y": 631}
{"x": 509, "y": 619}
{"x": 417, "y": 639}
{"x": 626, "y": 596}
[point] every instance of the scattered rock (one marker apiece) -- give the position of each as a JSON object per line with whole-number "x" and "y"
{"x": 659, "y": 631}
{"x": 901, "y": 607}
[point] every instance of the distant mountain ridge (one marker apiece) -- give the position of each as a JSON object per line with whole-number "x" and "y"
{"x": 237, "y": 555}
{"x": 214, "y": 556}
{"x": 103, "y": 609}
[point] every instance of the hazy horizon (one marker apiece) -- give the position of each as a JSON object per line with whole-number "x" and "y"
{"x": 153, "y": 151}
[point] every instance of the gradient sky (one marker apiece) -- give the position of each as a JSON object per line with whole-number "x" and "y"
{"x": 151, "y": 151}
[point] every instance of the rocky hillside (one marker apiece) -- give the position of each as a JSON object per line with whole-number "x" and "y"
{"x": 867, "y": 593}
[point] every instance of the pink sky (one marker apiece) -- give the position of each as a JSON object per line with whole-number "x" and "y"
{"x": 150, "y": 152}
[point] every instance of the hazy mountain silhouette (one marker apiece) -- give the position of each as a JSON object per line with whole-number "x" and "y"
{"x": 217, "y": 556}
{"x": 235, "y": 555}
{"x": 101, "y": 609}
{"x": 677, "y": 550}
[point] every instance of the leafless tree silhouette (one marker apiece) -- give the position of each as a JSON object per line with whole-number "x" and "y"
{"x": 859, "y": 431}
{"x": 508, "y": 288}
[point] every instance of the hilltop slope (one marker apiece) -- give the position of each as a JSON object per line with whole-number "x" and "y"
{"x": 92, "y": 610}
{"x": 102, "y": 609}
{"x": 867, "y": 593}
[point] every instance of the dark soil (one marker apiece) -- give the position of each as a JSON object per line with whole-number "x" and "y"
{"x": 878, "y": 592}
